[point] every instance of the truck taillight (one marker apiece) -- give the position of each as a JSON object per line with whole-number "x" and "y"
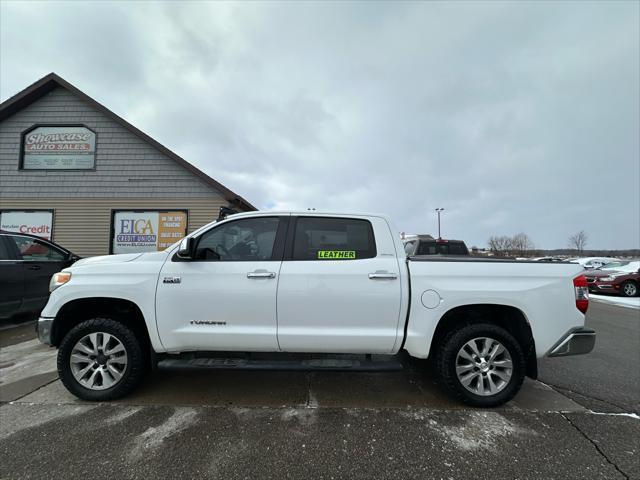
{"x": 582, "y": 293}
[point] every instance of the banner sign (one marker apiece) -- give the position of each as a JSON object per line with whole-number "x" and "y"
{"x": 148, "y": 231}
{"x": 35, "y": 223}
{"x": 59, "y": 148}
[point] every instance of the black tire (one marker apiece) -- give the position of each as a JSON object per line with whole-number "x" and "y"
{"x": 446, "y": 359}
{"x": 133, "y": 372}
{"x": 630, "y": 283}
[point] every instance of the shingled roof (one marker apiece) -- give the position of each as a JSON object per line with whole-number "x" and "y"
{"x": 46, "y": 84}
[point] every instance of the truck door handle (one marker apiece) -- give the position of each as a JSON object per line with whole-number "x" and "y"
{"x": 383, "y": 276}
{"x": 34, "y": 267}
{"x": 261, "y": 274}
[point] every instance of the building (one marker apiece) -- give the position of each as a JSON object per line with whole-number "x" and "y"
{"x": 73, "y": 171}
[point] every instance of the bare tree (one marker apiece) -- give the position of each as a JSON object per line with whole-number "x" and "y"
{"x": 500, "y": 245}
{"x": 579, "y": 240}
{"x": 520, "y": 244}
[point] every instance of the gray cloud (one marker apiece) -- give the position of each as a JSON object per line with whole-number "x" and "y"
{"x": 513, "y": 116}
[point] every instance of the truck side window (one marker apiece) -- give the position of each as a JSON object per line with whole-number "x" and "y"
{"x": 250, "y": 239}
{"x": 318, "y": 238}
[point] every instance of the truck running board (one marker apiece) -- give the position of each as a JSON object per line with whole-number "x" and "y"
{"x": 371, "y": 363}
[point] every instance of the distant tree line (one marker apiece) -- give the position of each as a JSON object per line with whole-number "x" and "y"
{"x": 520, "y": 245}
{"x": 572, "y": 252}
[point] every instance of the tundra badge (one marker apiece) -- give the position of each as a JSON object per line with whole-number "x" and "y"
{"x": 171, "y": 280}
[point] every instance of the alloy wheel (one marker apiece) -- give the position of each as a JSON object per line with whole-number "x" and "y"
{"x": 98, "y": 361}
{"x": 484, "y": 366}
{"x": 630, "y": 290}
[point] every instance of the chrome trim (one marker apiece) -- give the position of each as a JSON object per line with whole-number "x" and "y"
{"x": 261, "y": 275}
{"x": 44, "y": 330}
{"x": 577, "y": 341}
{"x": 383, "y": 276}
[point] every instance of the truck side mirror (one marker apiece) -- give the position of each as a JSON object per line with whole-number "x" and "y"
{"x": 186, "y": 249}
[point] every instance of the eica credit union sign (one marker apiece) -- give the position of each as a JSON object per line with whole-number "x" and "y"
{"x": 147, "y": 231}
{"x": 59, "y": 148}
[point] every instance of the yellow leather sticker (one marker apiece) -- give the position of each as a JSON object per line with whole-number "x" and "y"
{"x": 336, "y": 254}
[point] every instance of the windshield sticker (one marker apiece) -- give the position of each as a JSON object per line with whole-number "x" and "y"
{"x": 337, "y": 254}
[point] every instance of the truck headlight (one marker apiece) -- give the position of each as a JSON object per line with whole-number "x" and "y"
{"x": 58, "y": 280}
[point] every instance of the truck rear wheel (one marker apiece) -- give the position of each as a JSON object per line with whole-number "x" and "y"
{"x": 481, "y": 364}
{"x": 100, "y": 359}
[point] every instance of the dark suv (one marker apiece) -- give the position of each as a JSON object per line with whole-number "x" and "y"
{"x": 27, "y": 263}
{"x": 427, "y": 245}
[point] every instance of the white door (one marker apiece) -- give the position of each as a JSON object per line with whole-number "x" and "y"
{"x": 225, "y": 298}
{"x": 338, "y": 291}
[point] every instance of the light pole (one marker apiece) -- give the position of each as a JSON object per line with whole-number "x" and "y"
{"x": 439, "y": 210}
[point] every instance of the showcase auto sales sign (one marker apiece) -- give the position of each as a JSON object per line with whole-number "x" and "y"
{"x": 59, "y": 148}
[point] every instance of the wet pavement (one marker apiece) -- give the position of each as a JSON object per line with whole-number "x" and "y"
{"x": 117, "y": 441}
{"x": 278, "y": 424}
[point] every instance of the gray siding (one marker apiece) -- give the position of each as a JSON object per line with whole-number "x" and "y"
{"x": 83, "y": 225}
{"x": 126, "y": 166}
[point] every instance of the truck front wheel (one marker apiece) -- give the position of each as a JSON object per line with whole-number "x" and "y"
{"x": 481, "y": 364}
{"x": 100, "y": 359}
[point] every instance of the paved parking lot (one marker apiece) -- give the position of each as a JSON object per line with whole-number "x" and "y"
{"x": 244, "y": 424}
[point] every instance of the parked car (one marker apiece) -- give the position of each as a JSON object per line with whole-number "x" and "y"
{"x": 27, "y": 263}
{"x": 589, "y": 263}
{"x": 310, "y": 283}
{"x": 614, "y": 265}
{"x": 623, "y": 280}
{"x": 547, "y": 259}
{"x": 427, "y": 245}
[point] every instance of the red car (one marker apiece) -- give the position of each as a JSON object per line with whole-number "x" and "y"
{"x": 624, "y": 280}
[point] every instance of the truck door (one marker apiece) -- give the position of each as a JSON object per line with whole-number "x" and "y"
{"x": 225, "y": 298}
{"x": 39, "y": 260}
{"x": 11, "y": 279}
{"x": 339, "y": 288}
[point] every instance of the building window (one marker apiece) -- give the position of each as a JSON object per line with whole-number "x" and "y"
{"x": 134, "y": 231}
{"x": 34, "y": 222}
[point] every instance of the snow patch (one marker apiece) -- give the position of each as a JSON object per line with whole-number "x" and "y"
{"x": 480, "y": 431}
{"x": 313, "y": 401}
{"x": 122, "y": 415}
{"x": 17, "y": 417}
{"x": 246, "y": 414}
{"x": 414, "y": 414}
{"x": 305, "y": 416}
{"x": 153, "y": 437}
{"x": 627, "y": 302}
{"x": 630, "y": 415}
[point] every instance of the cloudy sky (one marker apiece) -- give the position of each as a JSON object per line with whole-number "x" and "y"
{"x": 512, "y": 116}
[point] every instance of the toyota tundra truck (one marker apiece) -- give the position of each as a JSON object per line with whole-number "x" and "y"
{"x": 310, "y": 283}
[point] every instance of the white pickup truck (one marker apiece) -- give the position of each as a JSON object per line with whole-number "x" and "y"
{"x": 310, "y": 283}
